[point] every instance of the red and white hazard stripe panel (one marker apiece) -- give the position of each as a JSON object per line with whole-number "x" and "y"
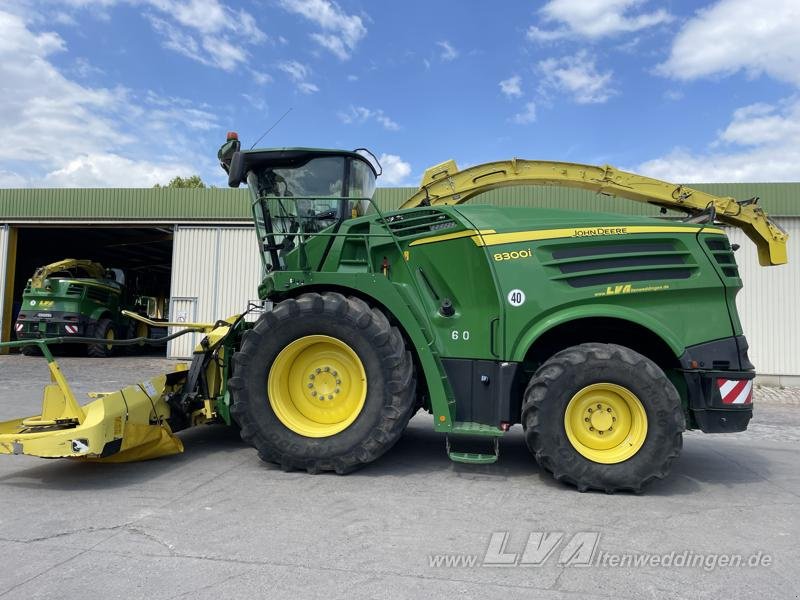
{"x": 18, "y": 326}
{"x": 736, "y": 391}
{"x": 71, "y": 328}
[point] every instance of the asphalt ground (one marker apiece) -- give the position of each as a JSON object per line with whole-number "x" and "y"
{"x": 216, "y": 522}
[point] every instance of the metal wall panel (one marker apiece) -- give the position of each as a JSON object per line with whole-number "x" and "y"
{"x": 169, "y": 205}
{"x": 215, "y": 272}
{"x": 768, "y": 304}
{"x": 131, "y": 204}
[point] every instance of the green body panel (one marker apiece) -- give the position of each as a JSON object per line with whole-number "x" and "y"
{"x": 90, "y": 299}
{"x": 409, "y": 262}
{"x": 550, "y": 301}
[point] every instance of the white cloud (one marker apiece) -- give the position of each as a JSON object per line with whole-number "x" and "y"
{"x": 511, "y": 86}
{"x": 258, "y": 103}
{"x": 362, "y": 114}
{"x": 395, "y": 170}
{"x": 527, "y": 116}
{"x": 207, "y": 31}
{"x": 761, "y": 143}
{"x": 577, "y": 75}
{"x": 342, "y": 32}
{"x": 307, "y": 88}
{"x": 211, "y": 17}
{"x": 100, "y": 170}
{"x": 299, "y": 74}
{"x": 537, "y": 34}
{"x": 85, "y": 69}
{"x": 260, "y": 78}
{"x": 59, "y": 132}
{"x": 594, "y": 19}
{"x": 739, "y": 35}
{"x": 448, "y": 51}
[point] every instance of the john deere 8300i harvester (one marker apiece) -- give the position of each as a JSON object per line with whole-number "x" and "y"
{"x": 604, "y": 336}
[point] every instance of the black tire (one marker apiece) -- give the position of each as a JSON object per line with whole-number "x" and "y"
{"x": 31, "y": 351}
{"x": 566, "y": 373}
{"x": 390, "y": 396}
{"x": 100, "y": 331}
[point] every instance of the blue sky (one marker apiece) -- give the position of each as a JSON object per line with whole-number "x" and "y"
{"x": 132, "y": 92}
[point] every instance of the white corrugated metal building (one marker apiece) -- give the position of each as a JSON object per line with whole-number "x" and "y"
{"x": 226, "y": 283}
{"x": 768, "y": 307}
{"x": 214, "y": 267}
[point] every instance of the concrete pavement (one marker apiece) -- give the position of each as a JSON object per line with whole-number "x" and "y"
{"x": 217, "y": 523}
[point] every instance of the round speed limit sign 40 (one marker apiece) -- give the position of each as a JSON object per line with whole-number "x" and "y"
{"x": 516, "y": 297}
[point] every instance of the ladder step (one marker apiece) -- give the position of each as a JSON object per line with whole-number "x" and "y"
{"x": 473, "y": 458}
{"x": 469, "y": 428}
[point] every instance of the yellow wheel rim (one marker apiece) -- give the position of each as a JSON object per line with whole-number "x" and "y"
{"x": 317, "y": 386}
{"x": 606, "y": 423}
{"x": 109, "y": 336}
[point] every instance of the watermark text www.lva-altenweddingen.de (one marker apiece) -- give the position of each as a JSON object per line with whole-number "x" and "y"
{"x": 582, "y": 549}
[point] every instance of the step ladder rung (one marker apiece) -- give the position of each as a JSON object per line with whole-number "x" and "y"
{"x": 474, "y": 458}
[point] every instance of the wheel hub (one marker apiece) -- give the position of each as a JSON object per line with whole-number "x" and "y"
{"x": 324, "y": 383}
{"x": 602, "y": 419}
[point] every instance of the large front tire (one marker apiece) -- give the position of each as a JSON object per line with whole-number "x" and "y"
{"x": 322, "y": 383}
{"x": 103, "y": 330}
{"x": 601, "y": 416}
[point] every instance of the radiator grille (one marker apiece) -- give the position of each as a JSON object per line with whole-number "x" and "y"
{"x": 602, "y": 264}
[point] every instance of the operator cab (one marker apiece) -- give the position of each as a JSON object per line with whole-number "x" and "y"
{"x": 300, "y": 192}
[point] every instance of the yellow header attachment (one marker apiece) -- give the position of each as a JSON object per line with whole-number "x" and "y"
{"x": 445, "y": 184}
{"x": 93, "y": 269}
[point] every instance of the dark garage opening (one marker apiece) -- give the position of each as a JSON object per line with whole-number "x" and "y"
{"x": 144, "y": 254}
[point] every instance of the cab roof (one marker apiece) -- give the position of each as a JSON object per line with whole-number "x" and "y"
{"x": 287, "y": 158}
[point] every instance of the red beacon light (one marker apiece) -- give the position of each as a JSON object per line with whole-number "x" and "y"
{"x": 232, "y": 135}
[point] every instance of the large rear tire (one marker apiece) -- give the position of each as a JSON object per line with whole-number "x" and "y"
{"x": 322, "y": 383}
{"x": 103, "y": 330}
{"x": 601, "y": 416}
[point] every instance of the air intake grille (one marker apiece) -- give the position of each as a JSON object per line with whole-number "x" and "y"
{"x": 97, "y": 295}
{"x": 604, "y": 264}
{"x": 723, "y": 254}
{"x": 418, "y": 222}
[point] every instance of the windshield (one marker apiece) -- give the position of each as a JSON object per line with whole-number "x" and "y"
{"x": 319, "y": 177}
{"x": 291, "y": 203}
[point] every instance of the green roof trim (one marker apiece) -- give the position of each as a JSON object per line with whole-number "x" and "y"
{"x": 168, "y": 205}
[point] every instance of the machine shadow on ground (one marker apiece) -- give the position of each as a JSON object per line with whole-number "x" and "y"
{"x": 420, "y": 451}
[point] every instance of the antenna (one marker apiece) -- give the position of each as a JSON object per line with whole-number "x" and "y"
{"x": 275, "y": 124}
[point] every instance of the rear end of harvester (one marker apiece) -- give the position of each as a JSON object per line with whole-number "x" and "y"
{"x": 604, "y": 337}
